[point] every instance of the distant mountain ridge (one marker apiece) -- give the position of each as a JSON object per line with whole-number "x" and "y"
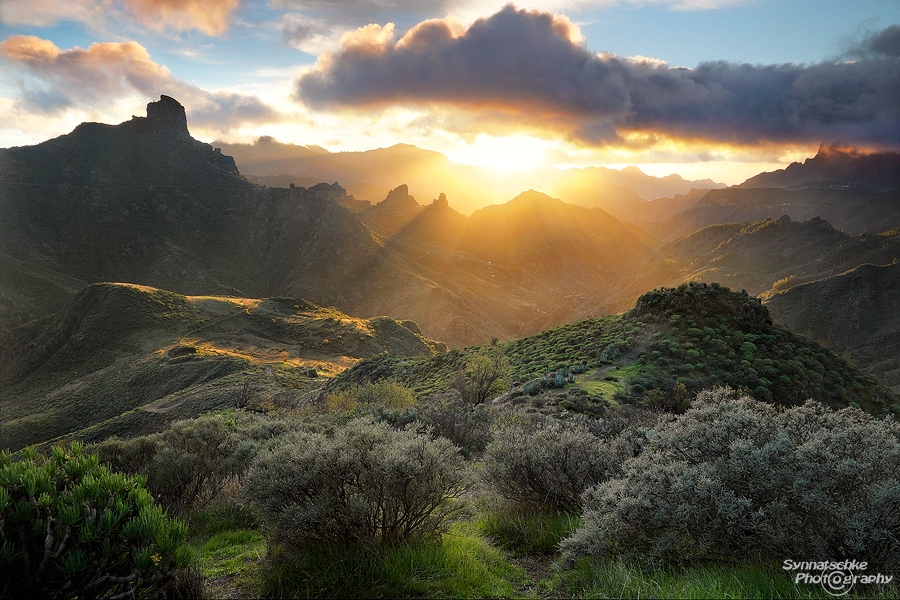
{"x": 835, "y": 166}
{"x": 855, "y": 210}
{"x": 371, "y": 174}
{"x": 759, "y": 255}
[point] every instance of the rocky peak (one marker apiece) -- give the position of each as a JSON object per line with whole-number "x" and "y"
{"x": 440, "y": 201}
{"x": 167, "y": 116}
{"x": 399, "y": 199}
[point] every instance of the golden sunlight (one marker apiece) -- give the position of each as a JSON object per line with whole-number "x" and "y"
{"x": 509, "y": 153}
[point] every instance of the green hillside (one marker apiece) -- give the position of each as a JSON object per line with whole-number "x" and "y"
{"x": 126, "y": 359}
{"x": 697, "y": 336}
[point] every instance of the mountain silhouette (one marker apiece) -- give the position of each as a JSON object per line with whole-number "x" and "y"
{"x": 835, "y": 166}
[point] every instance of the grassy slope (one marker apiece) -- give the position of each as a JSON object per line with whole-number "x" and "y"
{"x": 125, "y": 359}
{"x": 699, "y": 335}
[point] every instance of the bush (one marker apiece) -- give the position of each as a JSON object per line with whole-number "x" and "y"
{"x": 385, "y": 393}
{"x": 71, "y": 527}
{"x": 549, "y": 464}
{"x": 367, "y": 484}
{"x": 194, "y": 460}
{"x": 734, "y": 478}
{"x": 469, "y": 427}
{"x": 483, "y": 377}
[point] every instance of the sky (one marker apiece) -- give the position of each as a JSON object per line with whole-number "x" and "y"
{"x": 703, "y": 88}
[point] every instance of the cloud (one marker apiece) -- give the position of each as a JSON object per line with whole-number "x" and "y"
{"x": 211, "y": 17}
{"x": 884, "y": 43}
{"x": 89, "y": 79}
{"x": 530, "y": 69}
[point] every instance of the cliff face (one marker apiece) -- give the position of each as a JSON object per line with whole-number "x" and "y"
{"x": 167, "y": 116}
{"x": 144, "y": 202}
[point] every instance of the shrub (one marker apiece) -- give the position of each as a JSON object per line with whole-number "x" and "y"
{"x": 385, "y": 393}
{"x": 734, "y": 478}
{"x": 549, "y": 464}
{"x": 466, "y": 426}
{"x": 71, "y": 527}
{"x": 367, "y": 484}
{"x": 674, "y": 400}
{"x": 533, "y": 386}
{"x": 483, "y": 376}
{"x": 194, "y": 460}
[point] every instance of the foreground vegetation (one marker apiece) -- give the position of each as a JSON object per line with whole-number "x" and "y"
{"x": 486, "y": 482}
{"x": 342, "y": 503}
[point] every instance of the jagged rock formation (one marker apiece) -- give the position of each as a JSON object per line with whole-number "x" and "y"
{"x": 143, "y": 202}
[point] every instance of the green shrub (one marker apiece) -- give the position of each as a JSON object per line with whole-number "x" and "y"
{"x": 734, "y": 478}
{"x": 549, "y": 464}
{"x": 194, "y": 460}
{"x": 72, "y": 528}
{"x": 367, "y": 484}
{"x": 469, "y": 427}
{"x": 385, "y": 393}
{"x": 483, "y": 377}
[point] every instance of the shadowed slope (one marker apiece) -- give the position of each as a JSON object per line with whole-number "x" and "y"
{"x": 131, "y": 354}
{"x": 854, "y": 312}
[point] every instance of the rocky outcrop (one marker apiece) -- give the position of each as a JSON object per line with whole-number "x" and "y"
{"x": 398, "y": 199}
{"x": 167, "y": 117}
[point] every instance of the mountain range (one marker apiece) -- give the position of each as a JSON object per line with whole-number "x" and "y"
{"x": 371, "y": 174}
{"x": 144, "y": 203}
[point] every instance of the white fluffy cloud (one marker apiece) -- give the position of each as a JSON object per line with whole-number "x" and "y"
{"x": 53, "y": 81}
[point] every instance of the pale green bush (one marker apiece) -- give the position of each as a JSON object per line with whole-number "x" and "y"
{"x": 194, "y": 460}
{"x": 467, "y": 426}
{"x": 366, "y": 484}
{"x": 549, "y": 463}
{"x": 734, "y": 478}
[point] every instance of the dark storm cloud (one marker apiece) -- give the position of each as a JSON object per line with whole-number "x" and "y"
{"x": 530, "y": 67}
{"x": 883, "y": 43}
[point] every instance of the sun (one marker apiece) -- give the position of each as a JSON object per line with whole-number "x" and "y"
{"x": 508, "y": 153}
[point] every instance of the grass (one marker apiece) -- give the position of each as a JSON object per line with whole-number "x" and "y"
{"x": 460, "y": 564}
{"x": 232, "y": 548}
{"x": 231, "y": 553}
{"x": 614, "y": 579}
{"x": 595, "y": 385}
{"x": 525, "y": 529}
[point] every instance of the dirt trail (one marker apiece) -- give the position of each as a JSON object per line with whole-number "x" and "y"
{"x": 77, "y": 384}
{"x": 539, "y": 568}
{"x": 160, "y": 406}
